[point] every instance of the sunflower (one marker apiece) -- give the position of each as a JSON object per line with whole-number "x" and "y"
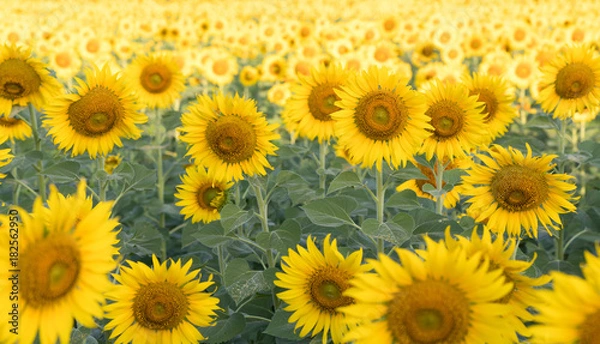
{"x": 313, "y": 99}
{"x": 66, "y": 252}
{"x": 511, "y": 191}
{"x": 450, "y": 297}
{"x": 569, "y": 313}
{"x": 229, "y": 136}
{"x": 571, "y": 82}
{"x": 111, "y": 162}
{"x": 23, "y": 80}
{"x": 249, "y": 76}
{"x": 314, "y": 283}
{"x": 381, "y": 118}
{"x": 202, "y": 195}
{"x": 5, "y": 159}
{"x": 159, "y": 304}
{"x": 457, "y": 121}
{"x": 500, "y": 253}
{"x": 495, "y": 93}
{"x": 451, "y": 197}
{"x": 156, "y": 80}
{"x": 97, "y": 117}
{"x": 13, "y": 128}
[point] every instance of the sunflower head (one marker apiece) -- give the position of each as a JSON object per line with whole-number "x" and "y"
{"x": 380, "y": 118}
{"x": 458, "y": 125}
{"x": 512, "y": 191}
{"x": 95, "y": 118}
{"x": 571, "y": 82}
{"x": 316, "y": 291}
{"x": 228, "y": 134}
{"x": 156, "y": 79}
{"x": 23, "y": 79}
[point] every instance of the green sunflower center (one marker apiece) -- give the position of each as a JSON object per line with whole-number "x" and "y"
{"x": 380, "y": 115}
{"x": 519, "y": 188}
{"x": 589, "y": 332}
{"x": 49, "y": 269}
{"x": 156, "y": 78}
{"x": 326, "y": 287}
{"x": 429, "y": 312}
{"x": 231, "y": 138}
{"x": 488, "y": 97}
{"x": 96, "y": 113}
{"x": 160, "y": 306}
{"x": 321, "y": 102}
{"x": 210, "y": 197}
{"x": 446, "y": 119}
{"x": 18, "y": 79}
{"x": 575, "y": 80}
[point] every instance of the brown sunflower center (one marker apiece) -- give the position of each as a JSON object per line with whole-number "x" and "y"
{"x": 210, "y": 197}
{"x": 326, "y": 288}
{"x": 156, "y": 78}
{"x": 518, "y": 188}
{"x": 9, "y": 122}
{"x": 160, "y": 306}
{"x": 49, "y": 269}
{"x": 18, "y": 79}
{"x": 589, "y": 332}
{"x": 321, "y": 102}
{"x": 231, "y": 138}
{"x": 380, "y": 115}
{"x": 446, "y": 119}
{"x": 429, "y": 312}
{"x": 96, "y": 113}
{"x": 575, "y": 80}
{"x": 488, "y": 97}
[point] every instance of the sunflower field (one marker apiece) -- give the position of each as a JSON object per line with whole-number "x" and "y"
{"x": 320, "y": 171}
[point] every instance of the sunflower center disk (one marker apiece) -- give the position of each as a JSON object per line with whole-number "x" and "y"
{"x": 518, "y": 188}
{"x": 589, "y": 330}
{"x": 210, "y": 197}
{"x": 326, "y": 288}
{"x": 18, "y": 79}
{"x": 575, "y": 80}
{"x": 429, "y": 312}
{"x": 96, "y": 113}
{"x": 489, "y": 99}
{"x": 380, "y": 115}
{"x": 9, "y": 122}
{"x": 156, "y": 78}
{"x": 231, "y": 138}
{"x": 446, "y": 118}
{"x": 160, "y": 306}
{"x": 321, "y": 102}
{"x": 50, "y": 269}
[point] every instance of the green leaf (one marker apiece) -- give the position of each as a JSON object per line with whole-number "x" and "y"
{"x": 405, "y": 200}
{"x": 233, "y": 217}
{"x": 224, "y": 330}
{"x": 63, "y": 171}
{"x": 345, "y": 179}
{"x": 427, "y": 221}
{"x": 280, "y": 327}
{"x": 299, "y": 190}
{"x": 388, "y": 231}
{"x": 211, "y": 234}
{"x": 331, "y": 212}
{"x": 123, "y": 172}
{"x": 143, "y": 178}
{"x": 242, "y": 283}
{"x": 171, "y": 119}
{"x": 543, "y": 122}
{"x": 287, "y": 236}
{"x": 453, "y": 176}
{"x": 407, "y": 173}
{"x": 143, "y": 239}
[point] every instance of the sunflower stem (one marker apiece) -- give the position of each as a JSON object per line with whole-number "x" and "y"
{"x": 323, "y": 146}
{"x": 560, "y": 249}
{"x": 17, "y": 186}
{"x": 380, "y": 195}
{"x": 38, "y": 147}
{"x": 221, "y": 259}
{"x": 439, "y": 181}
{"x": 102, "y": 183}
{"x": 160, "y": 178}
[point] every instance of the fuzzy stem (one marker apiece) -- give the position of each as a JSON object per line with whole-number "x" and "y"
{"x": 160, "y": 178}
{"x": 102, "y": 184}
{"x": 380, "y": 196}
{"x": 322, "y": 155}
{"x": 439, "y": 181}
{"x": 38, "y": 146}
